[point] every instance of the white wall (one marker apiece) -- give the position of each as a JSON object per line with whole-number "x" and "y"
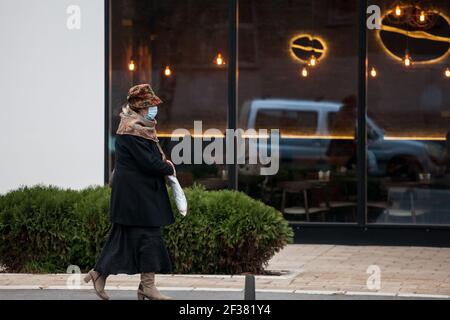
{"x": 51, "y": 94}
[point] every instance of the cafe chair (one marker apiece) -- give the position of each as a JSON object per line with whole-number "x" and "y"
{"x": 301, "y": 189}
{"x": 405, "y": 203}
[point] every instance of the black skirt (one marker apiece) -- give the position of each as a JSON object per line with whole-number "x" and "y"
{"x": 133, "y": 250}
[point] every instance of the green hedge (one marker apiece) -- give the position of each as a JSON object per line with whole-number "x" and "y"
{"x": 46, "y": 229}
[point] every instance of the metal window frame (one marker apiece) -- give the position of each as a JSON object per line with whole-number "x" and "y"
{"x": 233, "y": 58}
{"x": 107, "y": 84}
{"x": 361, "y": 135}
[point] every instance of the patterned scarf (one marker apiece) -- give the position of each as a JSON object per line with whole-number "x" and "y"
{"x": 133, "y": 123}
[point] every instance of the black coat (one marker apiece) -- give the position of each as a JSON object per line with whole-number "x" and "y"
{"x": 139, "y": 194}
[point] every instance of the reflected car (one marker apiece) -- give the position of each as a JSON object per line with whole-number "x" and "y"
{"x": 307, "y": 140}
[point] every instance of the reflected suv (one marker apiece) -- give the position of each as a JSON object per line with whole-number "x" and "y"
{"x": 306, "y": 137}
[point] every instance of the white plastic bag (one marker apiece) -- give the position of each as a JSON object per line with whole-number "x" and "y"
{"x": 178, "y": 194}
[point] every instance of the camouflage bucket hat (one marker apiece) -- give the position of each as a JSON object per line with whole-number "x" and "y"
{"x": 142, "y": 96}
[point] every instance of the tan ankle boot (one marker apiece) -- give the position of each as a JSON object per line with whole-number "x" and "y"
{"x": 147, "y": 288}
{"x": 99, "y": 282}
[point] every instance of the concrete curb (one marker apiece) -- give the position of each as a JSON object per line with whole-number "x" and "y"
{"x": 304, "y": 292}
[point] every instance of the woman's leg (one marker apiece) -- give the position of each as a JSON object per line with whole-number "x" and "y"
{"x": 97, "y": 275}
{"x": 99, "y": 282}
{"x": 147, "y": 288}
{"x": 153, "y": 257}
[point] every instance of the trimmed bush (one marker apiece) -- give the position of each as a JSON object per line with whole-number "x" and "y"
{"x": 46, "y": 229}
{"x": 225, "y": 232}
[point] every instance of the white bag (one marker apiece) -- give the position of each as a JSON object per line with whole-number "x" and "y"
{"x": 178, "y": 194}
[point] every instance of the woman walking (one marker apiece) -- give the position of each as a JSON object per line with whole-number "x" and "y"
{"x": 139, "y": 201}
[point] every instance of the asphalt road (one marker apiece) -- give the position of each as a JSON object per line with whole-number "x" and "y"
{"x": 53, "y": 294}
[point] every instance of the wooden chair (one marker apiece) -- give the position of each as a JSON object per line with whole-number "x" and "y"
{"x": 300, "y": 188}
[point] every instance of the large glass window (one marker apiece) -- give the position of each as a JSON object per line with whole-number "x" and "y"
{"x": 409, "y": 114}
{"x": 298, "y": 73}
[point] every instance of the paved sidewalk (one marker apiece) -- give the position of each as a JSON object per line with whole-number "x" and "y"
{"x": 185, "y": 295}
{"x": 310, "y": 269}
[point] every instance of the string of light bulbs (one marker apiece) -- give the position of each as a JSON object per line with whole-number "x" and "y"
{"x": 218, "y": 61}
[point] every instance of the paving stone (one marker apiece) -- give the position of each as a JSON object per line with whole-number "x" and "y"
{"x": 324, "y": 267}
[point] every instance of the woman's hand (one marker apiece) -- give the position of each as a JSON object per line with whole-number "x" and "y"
{"x": 173, "y": 166}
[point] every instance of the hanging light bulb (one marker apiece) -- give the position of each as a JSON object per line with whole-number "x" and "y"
{"x": 447, "y": 73}
{"x": 407, "y": 60}
{"x": 422, "y": 16}
{"x": 167, "y": 71}
{"x": 398, "y": 11}
{"x": 219, "y": 60}
{"x": 313, "y": 61}
{"x": 373, "y": 72}
{"x": 131, "y": 65}
{"x": 305, "y": 72}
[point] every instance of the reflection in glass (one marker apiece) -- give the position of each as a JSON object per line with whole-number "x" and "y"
{"x": 179, "y": 47}
{"x": 408, "y": 172}
{"x": 298, "y": 74}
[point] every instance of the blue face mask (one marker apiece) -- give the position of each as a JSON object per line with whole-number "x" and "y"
{"x": 152, "y": 112}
